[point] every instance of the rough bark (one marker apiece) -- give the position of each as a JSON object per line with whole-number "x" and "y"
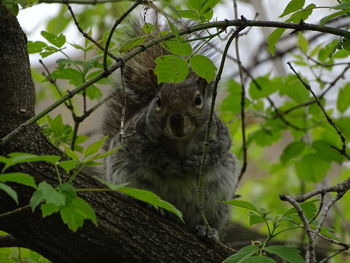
{"x": 126, "y": 231}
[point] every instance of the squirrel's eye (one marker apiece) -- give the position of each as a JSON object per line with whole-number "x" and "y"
{"x": 198, "y": 101}
{"x": 158, "y": 103}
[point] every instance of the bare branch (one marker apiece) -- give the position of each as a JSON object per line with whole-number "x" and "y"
{"x": 330, "y": 121}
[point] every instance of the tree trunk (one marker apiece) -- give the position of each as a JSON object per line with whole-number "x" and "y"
{"x": 126, "y": 231}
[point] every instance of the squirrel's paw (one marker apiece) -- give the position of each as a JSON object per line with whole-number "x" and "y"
{"x": 208, "y": 234}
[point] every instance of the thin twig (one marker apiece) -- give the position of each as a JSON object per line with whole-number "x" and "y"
{"x": 206, "y": 141}
{"x": 117, "y": 22}
{"x": 87, "y": 36}
{"x": 188, "y": 30}
{"x": 307, "y": 103}
{"x": 310, "y": 256}
{"x": 242, "y": 102}
{"x": 330, "y": 121}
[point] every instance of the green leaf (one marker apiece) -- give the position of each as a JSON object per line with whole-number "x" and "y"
{"x": 242, "y": 254}
{"x": 303, "y": 42}
{"x": 292, "y": 150}
{"x": 8, "y": 190}
{"x": 203, "y": 67}
{"x": 178, "y": 46}
{"x": 326, "y": 152}
{"x": 289, "y": 254}
{"x": 242, "y": 204}
{"x": 265, "y": 136}
{"x": 57, "y": 41}
{"x": 171, "y": 69}
{"x": 309, "y": 208}
{"x": 35, "y": 47}
{"x": 48, "y": 194}
{"x": 344, "y": 6}
{"x": 189, "y": 14}
{"x": 71, "y": 154}
{"x": 145, "y": 196}
{"x": 312, "y": 168}
{"x": 259, "y": 259}
{"x": 324, "y": 20}
{"x": 255, "y": 219}
{"x": 262, "y": 87}
{"x": 293, "y": 6}
{"x": 148, "y": 28}
{"x": 74, "y": 76}
{"x": 20, "y": 178}
{"x": 130, "y": 44}
{"x": 17, "y": 157}
{"x": 75, "y": 214}
{"x": 94, "y": 147}
{"x": 68, "y": 165}
{"x": 49, "y": 209}
{"x": 343, "y": 101}
{"x": 103, "y": 155}
{"x": 273, "y": 38}
{"x": 232, "y": 103}
{"x": 302, "y": 15}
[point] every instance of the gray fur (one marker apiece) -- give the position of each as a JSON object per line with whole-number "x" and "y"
{"x": 162, "y": 154}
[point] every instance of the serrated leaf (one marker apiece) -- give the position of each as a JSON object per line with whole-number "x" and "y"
{"x": 8, "y": 190}
{"x": 178, "y": 46}
{"x": 20, "y": 178}
{"x": 103, "y": 155}
{"x": 48, "y": 194}
{"x": 203, "y": 67}
{"x": 171, "y": 69}
{"x": 75, "y": 214}
{"x": 293, "y": 6}
{"x": 289, "y": 254}
{"x": 273, "y": 38}
{"x": 49, "y": 209}
{"x": 57, "y": 41}
{"x": 343, "y": 101}
{"x": 259, "y": 259}
{"x": 292, "y": 150}
{"x": 242, "y": 254}
{"x": 94, "y": 147}
{"x": 242, "y": 204}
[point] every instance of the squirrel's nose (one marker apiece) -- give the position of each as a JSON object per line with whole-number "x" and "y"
{"x": 176, "y": 122}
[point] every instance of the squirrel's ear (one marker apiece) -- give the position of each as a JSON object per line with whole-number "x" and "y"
{"x": 153, "y": 77}
{"x": 153, "y": 80}
{"x": 204, "y": 86}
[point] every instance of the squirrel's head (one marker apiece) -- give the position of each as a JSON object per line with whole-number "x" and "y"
{"x": 179, "y": 111}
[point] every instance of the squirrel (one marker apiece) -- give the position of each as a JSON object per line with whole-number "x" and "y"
{"x": 163, "y": 141}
